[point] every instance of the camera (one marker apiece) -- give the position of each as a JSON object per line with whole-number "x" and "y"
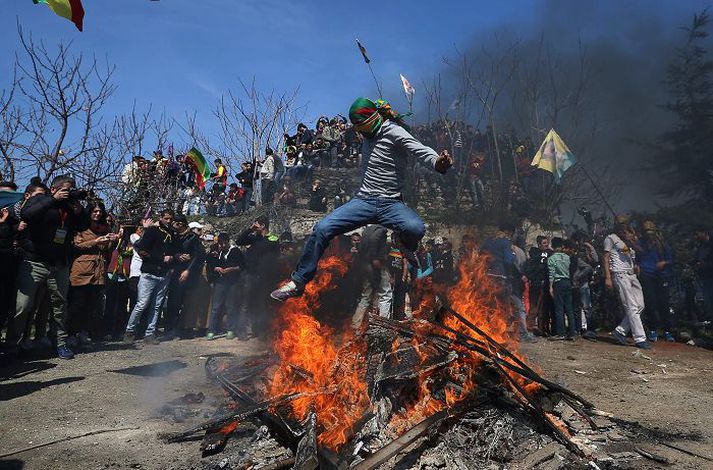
{"x": 78, "y": 194}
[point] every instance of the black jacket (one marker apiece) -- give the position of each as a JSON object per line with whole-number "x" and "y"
{"x": 261, "y": 256}
{"x": 51, "y": 227}
{"x": 536, "y": 268}
{"x": 245, "y": 178}
{"x": 230, "y": 258}
{"x": 188, "y": 244}
{"x": 8, "y": 235}
{"x": 155, "y": 244}
{"x": 442, "y": 267}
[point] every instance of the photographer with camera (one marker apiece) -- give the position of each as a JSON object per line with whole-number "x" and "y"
{"x": 52, "y": 221}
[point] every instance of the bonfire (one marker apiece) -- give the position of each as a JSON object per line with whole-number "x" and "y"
{"x": 341, "y": 398}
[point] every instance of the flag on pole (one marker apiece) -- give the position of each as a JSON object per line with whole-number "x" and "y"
{"x": 362, "y": 49}
{"x": 70, "y": 9}
{"x": 408, "y": 88}
{"x": 554, "y": 156}
{"x": 196, "y": 160}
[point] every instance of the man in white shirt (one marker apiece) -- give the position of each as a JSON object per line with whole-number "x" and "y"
{"x": 620, "y": 274}
{"x": 267, "y": 177}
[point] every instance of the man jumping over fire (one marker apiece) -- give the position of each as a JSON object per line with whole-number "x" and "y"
{"x": 387, "y": 147}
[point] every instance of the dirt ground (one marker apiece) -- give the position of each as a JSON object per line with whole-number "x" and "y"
{"x": 669, "y": 394}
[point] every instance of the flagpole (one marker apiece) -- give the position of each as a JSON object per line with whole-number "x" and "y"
{"x": 599, "y": 191}
{"x": 362, "y": 49}
{"x": 378, "y": 87}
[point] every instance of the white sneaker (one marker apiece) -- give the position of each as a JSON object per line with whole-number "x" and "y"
{"x": 291, "y": 289}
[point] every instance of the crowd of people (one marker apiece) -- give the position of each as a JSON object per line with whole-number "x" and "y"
{"x": 481, "y": 160}
{"x": 173, "y": 181}
{"x": 566, "y": 279}
{"x": 72, "y": 276}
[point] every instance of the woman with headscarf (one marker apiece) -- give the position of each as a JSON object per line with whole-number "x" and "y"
{"x": 87, "y": 275}
{"x": 387, "y": 148}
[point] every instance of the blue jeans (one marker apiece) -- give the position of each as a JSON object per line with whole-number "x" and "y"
{"x": 150, "y": 296}
{"x": 519, "y": 307}
{"x": 563, "y": 306}
{"x": 391, "y": 213}
{"x": 585, "y": 299}
{"x": 246, "y": 199}
{"x": 476, "y": 190}
{"x": 224, "y": 299}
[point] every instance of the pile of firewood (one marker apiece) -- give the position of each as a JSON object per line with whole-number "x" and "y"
{"x": 498, "y": 420}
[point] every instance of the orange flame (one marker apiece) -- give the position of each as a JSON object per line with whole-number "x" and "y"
{"x": 229, "y": 428}
{"x": 334, "y": 385}
{"x": 336, "y": 389}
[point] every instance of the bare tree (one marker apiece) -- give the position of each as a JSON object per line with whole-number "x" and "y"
{"x": 131, "y": 130}
{"x": 487, "y": 77}
{"x": 64, "y": 95}
{"x": 252, "y": 120}
{"x": 556, "y": 91}
{"x": 11, "y": 129}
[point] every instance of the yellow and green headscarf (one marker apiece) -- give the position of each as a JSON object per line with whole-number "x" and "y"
{"x": 367, "y": 116}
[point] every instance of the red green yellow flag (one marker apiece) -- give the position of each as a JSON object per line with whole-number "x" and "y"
{"x": 70, "y": 9}
{"x": 200, "y": 166}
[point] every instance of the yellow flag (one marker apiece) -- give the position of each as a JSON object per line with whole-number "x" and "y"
{"x": 554, "y": 155}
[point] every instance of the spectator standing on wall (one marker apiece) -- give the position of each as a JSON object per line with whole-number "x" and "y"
{"x": 267, "y": 178}
{"x": 245, "y": 178}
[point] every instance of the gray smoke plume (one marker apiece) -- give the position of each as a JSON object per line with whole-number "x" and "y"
{"x": 600, "y": 64}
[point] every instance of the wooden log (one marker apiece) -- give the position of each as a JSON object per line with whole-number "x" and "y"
{"x": 236, "y": 416}
{"x": 306, "y": 454}
{"x": 686, "y": 451}
{"x": 400, "y": 443}
{"x": 281, "y": 465}
{"x": 503, "y": 350}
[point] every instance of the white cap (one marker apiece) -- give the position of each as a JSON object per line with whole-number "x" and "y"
{"x": 193, "y": 225}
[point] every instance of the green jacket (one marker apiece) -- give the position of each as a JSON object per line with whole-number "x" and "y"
{"x": 558, "y": 267}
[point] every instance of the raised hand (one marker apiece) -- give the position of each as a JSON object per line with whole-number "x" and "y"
{"x": 444, "y": 162}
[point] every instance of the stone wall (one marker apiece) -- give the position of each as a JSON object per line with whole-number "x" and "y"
{"x": 443, "y": 216}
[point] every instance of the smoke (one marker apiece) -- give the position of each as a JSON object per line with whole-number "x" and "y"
{"x": 601, "y": 64}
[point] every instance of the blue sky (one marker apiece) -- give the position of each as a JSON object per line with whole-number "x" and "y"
{"x": 181, "y": 55}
